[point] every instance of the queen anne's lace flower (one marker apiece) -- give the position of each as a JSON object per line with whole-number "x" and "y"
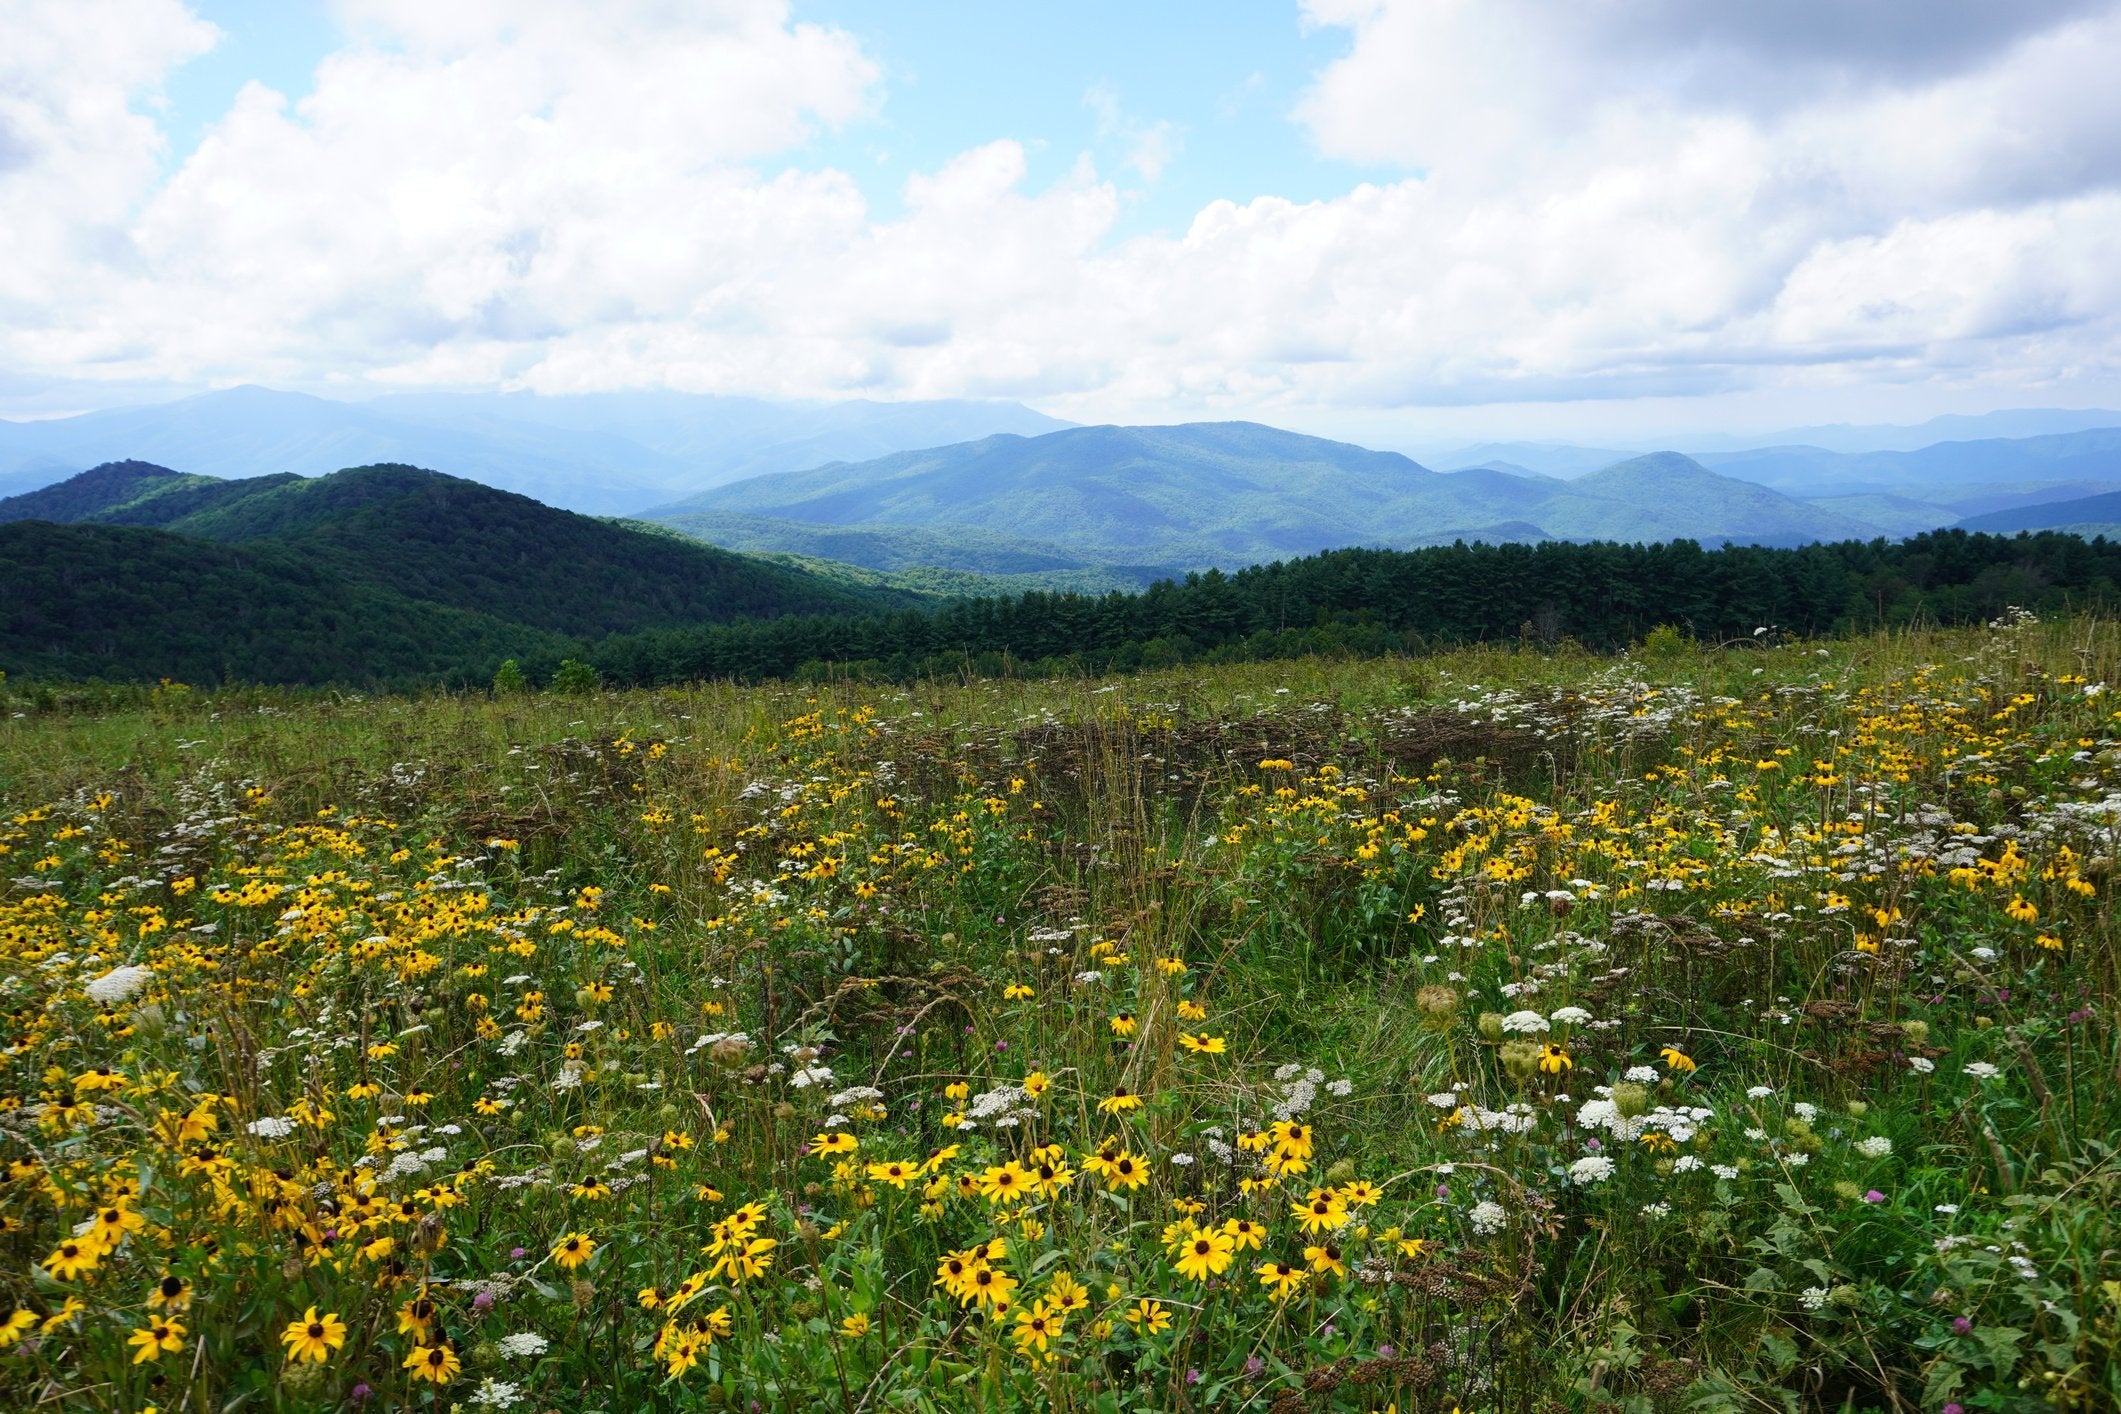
{"x": 120, "y": 984}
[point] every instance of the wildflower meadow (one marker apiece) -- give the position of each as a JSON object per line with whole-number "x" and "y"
{"x": 1698, "y": 1028}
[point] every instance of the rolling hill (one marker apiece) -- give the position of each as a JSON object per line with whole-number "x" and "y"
{"x": 133, "y": 554}
{"x": 1231, "y": 494}
{"x": 129, "y": 603}
{"x": 2085, "y": 515}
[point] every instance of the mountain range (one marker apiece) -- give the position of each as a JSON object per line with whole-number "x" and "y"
{"x": 601, "y": 453}
{"x": 1229, "y": 494}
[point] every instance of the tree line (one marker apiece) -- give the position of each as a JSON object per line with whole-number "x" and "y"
{"x": 1603, "y": 596}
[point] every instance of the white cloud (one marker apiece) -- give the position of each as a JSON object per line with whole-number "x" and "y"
{"x": 75, "y": 155}
{"x": 1592, "y": 201}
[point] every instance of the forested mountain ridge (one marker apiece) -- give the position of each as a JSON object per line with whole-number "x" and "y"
{"x": 131, "y": 603}
{"x": 447, "y": 561}
{"x": 1225, "y": 495}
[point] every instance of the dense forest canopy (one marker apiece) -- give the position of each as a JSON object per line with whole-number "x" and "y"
{"x": 1603, "y": 596}
{"x": 126, "y": 604}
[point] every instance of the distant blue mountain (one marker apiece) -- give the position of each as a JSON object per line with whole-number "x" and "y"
{"x": 1235, "y": 493}
{"x": 1934, "y": 472}
{"x": 2098, "y": 515}
{"x": 599, "y": 453}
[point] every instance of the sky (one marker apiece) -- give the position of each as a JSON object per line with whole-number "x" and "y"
{"x": 1387, "y": 220}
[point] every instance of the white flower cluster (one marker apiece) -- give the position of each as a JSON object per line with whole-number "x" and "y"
{"x": 1518, "y": 1118}
{"x": 1299, "y": 1090}
{"x": 120, "y": 984}
{"x": 271, "y": 1127}
{"x": 1679, "y": 1122}
{"x": 1875, "y": 1147}
{"x": 496, "y": 1394}
{"x": 1004, "y": 1108}
{"x": 1487, "y": 1218}
{"x": 523, "y": 1345}
{"x": 1591, "y": 1168}
{"x": 1528, "y": 1023}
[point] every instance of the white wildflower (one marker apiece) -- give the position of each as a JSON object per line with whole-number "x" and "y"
{"x": 1875, "y": 1147}
{"x": 496, "y": 1394}
{"x": 1591, "y": 1168}
{"x": 271, "y": 1127}
{"x": 1487, "y": 1218}
{"x": 523, "y": 1344}
{"x": 1530, "y": 1023}
{"x": 120, "y": 984}
{"x": 1982, "y": 1070}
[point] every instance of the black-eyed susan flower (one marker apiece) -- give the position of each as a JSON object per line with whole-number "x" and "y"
{"x": 573, "y": 1250}
{"x": 1280, "y": 1279}
{"x": 1326, "y": 1257}
{"x": 1323, "y": 1210}
{"x": 72, "y": 1258}
{"x": 1204, "y": 1255}
{"x": 437, "y": 1364}
{"x": 1148, "y": 1316}
{"x": 1037, "y": 1327}
{"x": 314, "y": 1337}
{"x": 151, "y": 1342}
{"x": 1120, "y": 1101}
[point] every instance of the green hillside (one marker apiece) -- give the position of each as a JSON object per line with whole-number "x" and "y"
{"x": 1667, "y": 496}
{"x": 875, "y": 547}
{"x": 448, "y": 541}
{"x": 128, "y": 492}
{"x": 88, "y": 601}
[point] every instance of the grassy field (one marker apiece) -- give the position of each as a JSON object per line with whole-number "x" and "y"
{"x": 1502, "y": 1031}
